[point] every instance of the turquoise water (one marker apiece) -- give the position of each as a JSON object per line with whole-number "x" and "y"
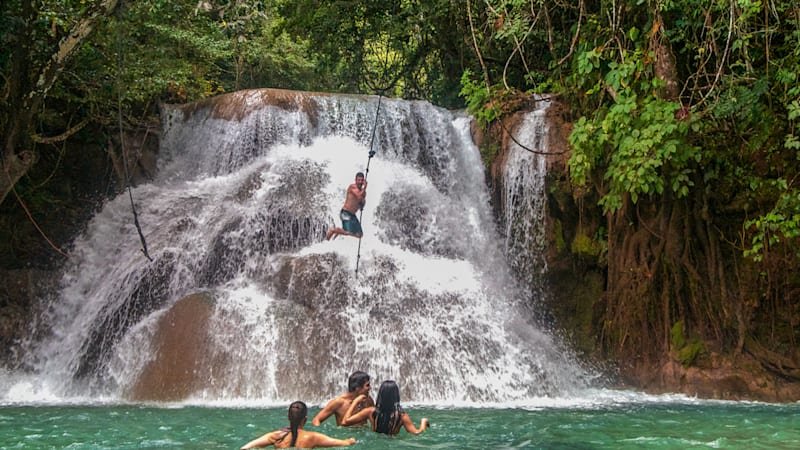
{"x": 661, "y": 425}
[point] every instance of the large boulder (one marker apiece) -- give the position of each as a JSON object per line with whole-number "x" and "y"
{"x": 179, "y": 366}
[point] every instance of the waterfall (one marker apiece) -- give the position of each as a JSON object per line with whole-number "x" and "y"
{"x": 245, "y": 300}
{"x": 524, "y": 199}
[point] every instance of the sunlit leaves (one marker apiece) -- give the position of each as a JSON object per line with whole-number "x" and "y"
{"x": 478, "y": 98}
{"x": 409, "y": 48}
{"x": 588, "y": 61}
{"x": 779, "y": 225}
{"x": 792, "y": 140}
{"x": 637, "y": 142}
{"x": 793, "y": 109}
{"x": 183, "y": 50}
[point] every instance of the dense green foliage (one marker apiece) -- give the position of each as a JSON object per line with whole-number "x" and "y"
{"x": 736, "y": 67}
{"x": 686, "y": 135}
{"x": 409, "y": 48}
{"x": 177, "y": 51}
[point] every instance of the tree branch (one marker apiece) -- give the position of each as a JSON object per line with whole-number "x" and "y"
{"x": 67, "y": 47}
{"x": 17, "y": 157}
{"x": 576, "y": 35}
{"x": 61, "y": 137}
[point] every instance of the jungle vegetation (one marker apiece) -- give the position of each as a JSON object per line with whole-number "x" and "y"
{"x": 685, "y": 147}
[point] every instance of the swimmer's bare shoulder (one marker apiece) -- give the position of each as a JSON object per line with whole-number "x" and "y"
{"x": 331, "y": 408}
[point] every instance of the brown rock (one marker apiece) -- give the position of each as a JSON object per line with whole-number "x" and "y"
{"x": 180, "y": 366}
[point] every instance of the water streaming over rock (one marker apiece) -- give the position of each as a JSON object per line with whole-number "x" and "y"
{"x": 524, "y": 199}
{"x": 246, "y": 300}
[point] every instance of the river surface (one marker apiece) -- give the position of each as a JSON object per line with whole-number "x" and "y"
{"x": 611, "y": 421}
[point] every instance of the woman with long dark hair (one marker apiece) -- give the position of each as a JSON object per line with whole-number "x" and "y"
{"x": 295, "y": 436}
{"x": 387, "y": 416}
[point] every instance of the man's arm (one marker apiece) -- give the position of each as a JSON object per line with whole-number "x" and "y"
{"x": 326, "y": 412}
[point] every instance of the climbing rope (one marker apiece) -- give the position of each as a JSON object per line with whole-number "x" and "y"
{"x": 122, "y": 148}
{"x": 366, "y": 171}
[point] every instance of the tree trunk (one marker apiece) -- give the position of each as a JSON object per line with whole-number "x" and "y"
{"x": 14, "y": 167}
{"x": 664, "y": 60}
{"x": 27, "y": 96}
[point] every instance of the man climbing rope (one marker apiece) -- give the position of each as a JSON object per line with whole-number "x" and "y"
{"x": 355, "y": 200}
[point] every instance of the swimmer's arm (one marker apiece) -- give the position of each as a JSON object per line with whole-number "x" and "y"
{"x": 321, "y": 440}
{"x": 263, "y": 441}
{"x": 354, "y": 404}
{"x": 408, "y": 424}
{"x": 359, "y": 417}
{"x": 351, "y": 418}
{"x": 326, "y": 412}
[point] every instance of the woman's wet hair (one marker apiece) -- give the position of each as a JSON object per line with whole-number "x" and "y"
{"x": 298, "y": 411}
{"x": 357, "y": 380}
{"x": 387, "y": 408}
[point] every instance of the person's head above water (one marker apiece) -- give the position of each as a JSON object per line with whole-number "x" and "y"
{"x": 358, "y": 379}
{"x": 388, "y": 413}
{"x": 388, "y": 396}
{"x": 298, "y": 412}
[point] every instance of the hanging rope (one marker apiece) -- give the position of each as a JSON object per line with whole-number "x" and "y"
{"x": 122, "y": 148}
{"x": 33, "y": 221}
{"x": 366, "y": 171}
{"x": 391, "y": 72}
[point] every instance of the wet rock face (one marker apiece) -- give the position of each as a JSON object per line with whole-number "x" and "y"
{"x": 200, "y": 348}
{"x": 20, "y": 292}
{"x": 150, "y": 294}
{"x": 291, "y": 216}
{"x": 406, "y": 220}
{"x": 409, "y": 220}
{"x": 720, "y": 378}
{"x": 13, "y": 319}
{"x": 188, "y": 358}
{"x": 317, "y": 282}
{"x": 180, "y": 365}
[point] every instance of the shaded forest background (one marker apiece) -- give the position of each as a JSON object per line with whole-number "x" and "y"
{"x": 678, "y": 202}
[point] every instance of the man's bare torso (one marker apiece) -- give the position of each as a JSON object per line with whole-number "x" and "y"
{"x": 343, "y": 404}
{"x": 355, "y": 199}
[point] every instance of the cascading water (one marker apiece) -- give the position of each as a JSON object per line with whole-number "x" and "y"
{"x": 524, "y": 199}
{"x": 245, "y": 300}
